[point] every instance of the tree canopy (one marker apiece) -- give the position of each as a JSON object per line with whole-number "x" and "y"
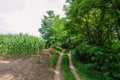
{"x": 92, "y": 29}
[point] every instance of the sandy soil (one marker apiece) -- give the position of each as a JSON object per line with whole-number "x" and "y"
{"x": 29, "y": 68}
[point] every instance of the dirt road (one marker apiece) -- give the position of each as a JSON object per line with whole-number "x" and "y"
{"x": 58, "y": 74}
{"x": 34, "y": 68}
{"x": 29, "y": 68}
{"x": 72, "y": 68}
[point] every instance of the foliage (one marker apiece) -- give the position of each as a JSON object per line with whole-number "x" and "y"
{"x": 92, "y": 28}
{"x": 116, "y": 46}
{"x": 93, "y": 21}
{"x": 52, "y": 29}
{"x": 105, "y": 63}
{"x": 66, "y": 69}
{"x": 58, "y": 48}
{"x": 19, "y": 45}
{"x": 47, "y": 24}
{"x": 84, "y": 70}
{"x": 94, "y": 31}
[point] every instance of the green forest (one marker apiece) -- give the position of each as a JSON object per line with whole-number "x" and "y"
{"x": 90, "y": 29}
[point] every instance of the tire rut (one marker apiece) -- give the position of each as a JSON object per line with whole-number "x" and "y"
{"x": 58, "y": 74}
{"x": 72, "y": 68}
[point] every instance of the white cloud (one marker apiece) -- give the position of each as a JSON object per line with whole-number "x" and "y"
{"x": 25, "y": 15}
{"x": 7, "y": 6}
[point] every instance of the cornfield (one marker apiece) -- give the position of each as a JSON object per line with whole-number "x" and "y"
{"x": 18, "y": 45}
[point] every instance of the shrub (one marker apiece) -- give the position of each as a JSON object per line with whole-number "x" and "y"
{"x": 82, "y": 53}
{"x": 99, "y": 59}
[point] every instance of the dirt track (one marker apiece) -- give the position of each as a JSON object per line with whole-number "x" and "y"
{"x": 30, "y": 68}
{"x": 58, "y": 74}
{"x": 34, "y": 68}
{"x": 72, "y": 68}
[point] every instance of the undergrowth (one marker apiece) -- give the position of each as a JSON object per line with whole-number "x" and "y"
{"x": 83, "y": 70}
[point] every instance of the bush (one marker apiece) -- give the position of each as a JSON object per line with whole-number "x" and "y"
{"x": 115, "y": 48}
{"x": 98, "y": 59}
{"x": 82, "y": 53}
{"x": 58, "y": 48}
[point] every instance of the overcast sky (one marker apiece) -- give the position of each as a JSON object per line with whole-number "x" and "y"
{"x": 25, "y": 15}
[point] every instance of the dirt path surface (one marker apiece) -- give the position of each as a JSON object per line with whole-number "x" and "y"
{"x": 72, "y": 68}
{"x": 58, "y": 74}
{"x": 29, "y": 68}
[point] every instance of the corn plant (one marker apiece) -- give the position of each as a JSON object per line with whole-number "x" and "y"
{"x": 19, "y": 45}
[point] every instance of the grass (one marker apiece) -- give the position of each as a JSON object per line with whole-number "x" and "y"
{"x": 65, "y": 67}
{"x": 84, "y": 72}
{"x": 55, "y": 58}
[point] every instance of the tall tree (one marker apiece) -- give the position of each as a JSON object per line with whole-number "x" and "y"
{"x": 47, "y": 24}
{"x": 97, "y": 20}
{"x": 52, "y": 29}
{"x": 97, "y": 23}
